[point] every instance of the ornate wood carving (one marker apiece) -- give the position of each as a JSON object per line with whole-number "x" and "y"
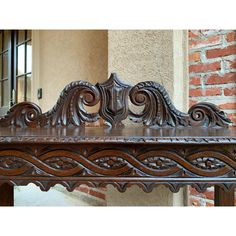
{"x": 207, "y": 114}
{"x": 113, "y": 96}
{"x": 69, "y": 109}
{"x": 158, "y": 109}
{"x": 114, "y": 102}
{"x": 146, "y": 166}
{"x": 25, "y": 114}
{"x": 55, "y": 147}
{"x": 118, "y": 140}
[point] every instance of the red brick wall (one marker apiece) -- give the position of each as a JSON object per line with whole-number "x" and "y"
{"x": 99, "y": 193}
{"x": 212, "y": 73}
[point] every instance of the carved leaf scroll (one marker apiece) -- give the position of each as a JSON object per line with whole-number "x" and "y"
{"x": 69, "y": 108}
{"x": 25, "y": 114}
{"x": 207, "y": 114}
{"x": 158, "y": 109}
{"x": 113, "y": 96}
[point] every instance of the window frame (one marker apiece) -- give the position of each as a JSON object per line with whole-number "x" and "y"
{"x": 3, "y": 109}
{"x": 12, "y": 68}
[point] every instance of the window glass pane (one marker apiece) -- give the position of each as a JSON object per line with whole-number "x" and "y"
{"x": 28, "y": 88}
{"x": 28, "y": 34}
{"x": 5, "y": 65}
{"x": 6, "y": 39}
{"x": 21, "y": 89}
{"x": 21, "y": 59}
{"x": 6, "y": 93}
{"x": 29, "y": 57}
{"x": 21, "y": 36}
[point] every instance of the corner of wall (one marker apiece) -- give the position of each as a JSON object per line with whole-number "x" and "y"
{"x": 180, "y": 71}
{"x": 35, "y": 65}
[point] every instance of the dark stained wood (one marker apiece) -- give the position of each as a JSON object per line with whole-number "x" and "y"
{"x": 223, "y": 198}
{"x": 114, "y": 103}
{"x": 6, "y": 195}
{"x": 171, "y": 148}
{"x": 150, "y": 135}
{"x": 113, "y": 95}
{"x": 146, "y": 165}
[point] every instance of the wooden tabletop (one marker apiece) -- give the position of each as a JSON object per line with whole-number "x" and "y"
{"x": 118, "y": 135}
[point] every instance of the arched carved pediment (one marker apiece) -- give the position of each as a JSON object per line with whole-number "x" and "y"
{"x": 113, "y": 96}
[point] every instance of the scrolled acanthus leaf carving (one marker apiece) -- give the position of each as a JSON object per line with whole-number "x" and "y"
{"x": 21, "y": 115}
{"x": 207, "y": 114}
{"x": 69, "y": 109}
{"x": 160, "y": 111}
{"x": 114, "y": 107}
{"x": 158, "y": 108}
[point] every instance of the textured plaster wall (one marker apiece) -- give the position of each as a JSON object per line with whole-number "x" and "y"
{"x": 139, "y": 55}
{"x": 157, "y": 55}
{"x": 69, "y": 55}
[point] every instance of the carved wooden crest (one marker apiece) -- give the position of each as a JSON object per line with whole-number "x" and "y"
{"x": 113, "y": 96}
{"x": 114, "y": 102}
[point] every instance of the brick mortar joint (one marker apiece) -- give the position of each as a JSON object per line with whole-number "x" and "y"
{"x": 205, "y": 61}
{"x": 230, "y": 85}
{"x": 211, "y": 47}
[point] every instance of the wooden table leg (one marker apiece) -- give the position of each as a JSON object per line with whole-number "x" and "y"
{"x": 223, "y": 198}
{"x": 6, "y": 195}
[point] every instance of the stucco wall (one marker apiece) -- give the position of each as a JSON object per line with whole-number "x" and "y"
{"x": 69, "y": 55}
{"x": 156, "y": 55}
{"x": 139, "y": 55}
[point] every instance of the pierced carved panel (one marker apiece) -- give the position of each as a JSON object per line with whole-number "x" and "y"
{"x": 110, "y": 162}
{"x": 145, "y": 166}
{"x": 159, "y": 163}
{"x": 208, "y": 163}
{"x": 11, "y": 163}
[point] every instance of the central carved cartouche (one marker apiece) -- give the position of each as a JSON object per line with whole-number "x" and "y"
{"x": 114, "y": 102}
